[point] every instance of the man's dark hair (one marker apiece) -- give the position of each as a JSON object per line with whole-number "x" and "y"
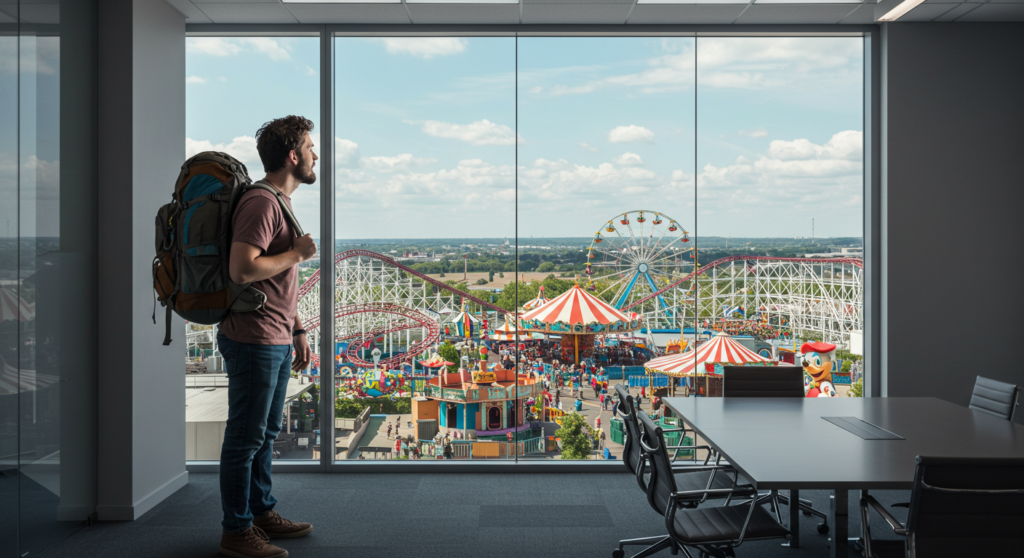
{"x": 277, "y": 138}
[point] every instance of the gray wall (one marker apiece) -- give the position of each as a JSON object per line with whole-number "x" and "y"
{"x": 142, "y": 123}
{"x": 953, "y": 185}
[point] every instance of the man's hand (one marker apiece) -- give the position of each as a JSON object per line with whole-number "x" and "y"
{"x": 304, "y": 246}
{"x": 302, "y": 353}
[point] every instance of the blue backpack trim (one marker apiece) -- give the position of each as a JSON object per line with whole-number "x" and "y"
{"x": 200, "y": 185}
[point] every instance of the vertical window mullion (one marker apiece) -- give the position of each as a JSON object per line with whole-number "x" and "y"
{"x": 327, "y": 278}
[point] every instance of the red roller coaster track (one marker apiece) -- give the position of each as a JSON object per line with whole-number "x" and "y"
{"x": 315, "y": 278}
{"x": 416, "y": 319}
{"x": 855, "y": 261}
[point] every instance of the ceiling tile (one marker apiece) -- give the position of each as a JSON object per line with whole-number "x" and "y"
{"x": 575, "y": 13}
{"x": 807, "y": 1}
{"x": 233, "y": 12}
{"x": 995, "y": 12}
{"x": 864, "y": 14}
{"x": 686, "y": 13}
{"x": 957, "y": 11}
{"x": 43, "y": 14}
{"x": 349, "y": 13}
{"x": 927, "y": 12}
{"x": 943, "y": 1}
{"x": 4, "y": 18}
{"x": 465, "y": 13}
{"x": 795, "y": 13}
{"x": 247, "y": 2}
{"x": 192, "y": 14}
{"x": 640, "y": 2}
{"x": 1006, "y": 1}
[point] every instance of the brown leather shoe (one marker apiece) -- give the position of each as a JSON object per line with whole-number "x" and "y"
{"x": 251, "y": 543}
{"x": 278, "y": 527}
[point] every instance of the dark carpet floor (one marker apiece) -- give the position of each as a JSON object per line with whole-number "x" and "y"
{"x": 430, "y": 515}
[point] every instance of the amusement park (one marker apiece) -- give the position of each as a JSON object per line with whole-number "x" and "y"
{"x": 429, "y": 368}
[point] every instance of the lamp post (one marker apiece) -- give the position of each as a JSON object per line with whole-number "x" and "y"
{"x": 376, "y": 357}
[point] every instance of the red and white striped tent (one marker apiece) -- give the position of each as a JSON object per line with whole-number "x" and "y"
{"x": 30, "y": 380}
{"x": 507, "y": 332}
{"x": 722, "y": 349}
{"x": 577, "y": 311}
{"x": 536, "y": 302}
{"x": 13, "y": 307}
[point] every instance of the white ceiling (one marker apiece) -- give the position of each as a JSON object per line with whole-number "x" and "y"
{"x": 506, "y": 12}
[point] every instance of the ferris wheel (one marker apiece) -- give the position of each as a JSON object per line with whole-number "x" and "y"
{"x": 635, "y": 254}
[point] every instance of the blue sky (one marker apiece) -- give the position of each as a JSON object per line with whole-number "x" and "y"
{"x": 426, "y": 130}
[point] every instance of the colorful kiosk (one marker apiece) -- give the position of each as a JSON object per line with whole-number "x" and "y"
{"x": 706, "y": 363}
{"x": 577, "y": 316}
{"x": 480, "y": 403}
{"x": 536, "y": 302}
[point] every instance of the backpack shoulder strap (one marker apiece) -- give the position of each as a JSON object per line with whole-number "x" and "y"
{"x": 261, "y": 184}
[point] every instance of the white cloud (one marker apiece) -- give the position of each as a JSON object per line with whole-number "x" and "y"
{"x": 631, "y": 134}
{"x": 221, "y": 78}
{"x": 346, "y": 153}
{"x": 587, "y": 147}
{"x": 242, "y": 148}
{"x": 628, "y": 159}
{"x": 310, "y": 71}
{"x": 400, "y": 162}
{"x": 424, "y": 47}
{"x": 481, "y": 132}
{"x": 196, "y": 79}
{"x": 754, "y": 133}
{"x": 218, "y": 46}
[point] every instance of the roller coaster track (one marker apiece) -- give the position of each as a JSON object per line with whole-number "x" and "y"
{"x": 341, "y": 256}
{"x": 415, "y": 319}
{"x": 708, "y": 267}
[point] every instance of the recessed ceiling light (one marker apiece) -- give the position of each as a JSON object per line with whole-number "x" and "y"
{"x": 807, "y": 2}
{"x": 692, "y": 2}
{"x": 462, "y": 1}
{"x": 342, "y": 1}
{"x": 901, "y": 10}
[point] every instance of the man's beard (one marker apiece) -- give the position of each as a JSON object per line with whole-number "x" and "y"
{"x": 304, "y": 172}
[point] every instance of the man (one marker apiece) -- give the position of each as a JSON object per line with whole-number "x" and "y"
{"x": 257, "y": 346}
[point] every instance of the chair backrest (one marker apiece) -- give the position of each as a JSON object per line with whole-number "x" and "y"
{"x": 630, "y": 446}
{"x": 967, "y": 507}
{"x": 994, "y": 397}
{"x": 662, "y": 483}
{"x": 763, "y": 381}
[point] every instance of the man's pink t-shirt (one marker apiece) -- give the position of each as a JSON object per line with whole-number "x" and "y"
{"x": 258, "y": 220}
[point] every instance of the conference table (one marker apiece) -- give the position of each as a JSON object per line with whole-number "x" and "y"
{"x": 841, "y": 444}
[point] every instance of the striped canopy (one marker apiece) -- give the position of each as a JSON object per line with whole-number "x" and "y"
{"x": 507, "y": 332}
{"x": 577, "y": 311}
{"x": 722, "y": 349}
{"x": 13, "y": 307}
{"x": 463, "y": 324}
{"x": 536, "y": 302}
{"x": 30, "y": 380}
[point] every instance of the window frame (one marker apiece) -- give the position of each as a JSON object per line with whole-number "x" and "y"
{"x": 873, "y": 202}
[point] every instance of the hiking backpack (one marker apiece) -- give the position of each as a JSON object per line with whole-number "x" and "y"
{"x": 193, "y": 242}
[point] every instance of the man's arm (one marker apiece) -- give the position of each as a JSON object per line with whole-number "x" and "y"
{"x": 303, "y": 354}
{"x": 248, "y": 264}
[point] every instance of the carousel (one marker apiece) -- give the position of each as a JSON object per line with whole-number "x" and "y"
{"x": 462, "y": 324}
{"x": 578, "y": 316}
{"x": 706, "y": 362}
{"x": 507, "y": 332}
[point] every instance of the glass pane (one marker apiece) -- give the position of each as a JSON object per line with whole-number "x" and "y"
{"x": 606, "y": 205}
{"x": 9, "y": 323}
{"x": 781, "y": 212}
{"x": 425, "y": 229}
{"x": 225, "y": 107}
{"x": 52, "y": 359}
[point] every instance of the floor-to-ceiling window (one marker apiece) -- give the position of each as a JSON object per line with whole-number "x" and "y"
{"x": 47, "y": 273}
{"x": 520, "y": 224}
{"x": 233, "y": 86}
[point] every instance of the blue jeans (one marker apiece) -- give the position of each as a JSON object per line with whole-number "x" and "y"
{"x": 257, "y": 384}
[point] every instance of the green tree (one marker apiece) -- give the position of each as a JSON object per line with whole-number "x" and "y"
{"x": 442, "y": 274}
{"x": 451, "y": 354}
{"x": 546, "y": 266}
{"x": 501, "y": 274}
{"x": 482, "y": 281}
{"x": 490, "y": 275}
{"x": 574, "y": 434}
{"x": 857, "y": 389}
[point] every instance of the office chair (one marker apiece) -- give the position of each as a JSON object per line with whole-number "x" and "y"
{"x": 771, "y": 381}
{"x": 959, "y": 506}
{"x": 712, "y": 530}
{"x": 994, "y": 397}
{"x": 693, "y": 477}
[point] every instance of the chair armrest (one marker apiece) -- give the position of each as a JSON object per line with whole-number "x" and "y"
{"x": 703, "y": 468}
{"x": 696, "y": 494}
{"x": 897, "y": 527}
{"x": 901, "y": 505}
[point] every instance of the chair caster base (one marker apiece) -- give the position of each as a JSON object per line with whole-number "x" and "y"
{"x": 823, "y": 528}
{"x": 618, "y": 553}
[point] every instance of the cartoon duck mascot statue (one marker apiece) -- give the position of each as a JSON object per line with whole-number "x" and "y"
{"x": 817, "y": 363}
